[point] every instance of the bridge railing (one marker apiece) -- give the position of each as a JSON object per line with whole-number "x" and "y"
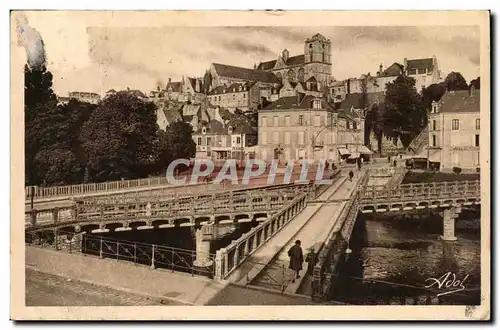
{"x": 423, "y": 190}
{"x": 153, "y": 255}
{"x": 229, "y": 258}
{"x": 250, "y": 202}
{"x": 329, "y": 253}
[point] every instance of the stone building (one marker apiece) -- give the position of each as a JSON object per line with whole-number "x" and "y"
{"x": 454, "y": 130}
{"x": 220, "y": 141}
{"x": 425, "y": 71}
{"x": 306, "y": 127}
{"x": 222, "y": 74}
{"x": 87, "y": 97}
{"x": 244, "y": 96}
{"x": 388, "y": 75}
{"x": 315, "y": 62}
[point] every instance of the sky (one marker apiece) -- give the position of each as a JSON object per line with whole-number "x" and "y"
{"x": 95, "y": 59}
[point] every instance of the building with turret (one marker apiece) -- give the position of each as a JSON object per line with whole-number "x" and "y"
{"x": 315, "y": 62}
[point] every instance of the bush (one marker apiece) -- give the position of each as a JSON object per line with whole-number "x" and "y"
{"x": 457, "y": 170}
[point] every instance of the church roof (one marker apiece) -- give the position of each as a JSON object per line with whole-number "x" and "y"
{"x": 294, "y": 60}
{"x": 230, "y": 71}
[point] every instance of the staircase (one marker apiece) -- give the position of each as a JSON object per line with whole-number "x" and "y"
{"x": 418, "y": 144}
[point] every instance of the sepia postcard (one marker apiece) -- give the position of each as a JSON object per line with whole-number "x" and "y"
{"x": 250, "y": 165}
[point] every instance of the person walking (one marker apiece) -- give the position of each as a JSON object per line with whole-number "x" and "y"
{"x": 296, "y": 259}
{"x": 351, "y": 174}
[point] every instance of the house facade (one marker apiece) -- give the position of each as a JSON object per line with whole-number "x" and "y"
{"x": 454, "y": 130}
{"x": 306, "y": 127}
{"x": 219, "y": 142}
{"x": 87, "y": 97}
{"x": 425, "y": 71}
{"x": 243, "y": 96}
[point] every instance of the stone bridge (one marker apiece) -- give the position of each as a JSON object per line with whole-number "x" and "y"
{"x": 419, "y": 196}
{"x": 102, "y": 215}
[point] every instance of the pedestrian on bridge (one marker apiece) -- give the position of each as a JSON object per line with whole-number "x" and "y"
{"x": 296, "y": 259}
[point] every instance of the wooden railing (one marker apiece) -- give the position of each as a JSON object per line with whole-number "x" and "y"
{"x": 229, "y": 258}
{"x": 421, "y": 191}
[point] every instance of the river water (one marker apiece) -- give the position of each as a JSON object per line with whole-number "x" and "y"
{"x": 394, "y": 254}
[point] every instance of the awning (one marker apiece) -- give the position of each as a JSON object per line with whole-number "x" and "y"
{"x": 354, "y": 155}
{"x": 364, "y": 150}
{"x": 344, "y": 151}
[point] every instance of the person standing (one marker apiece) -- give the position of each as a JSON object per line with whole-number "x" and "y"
{"x": 351, "y": 174}
{"x": 296, "y": 259}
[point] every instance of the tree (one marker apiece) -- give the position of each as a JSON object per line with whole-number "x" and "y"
{"x": 432, "y": 93}
{"x": 454, "y": 81}
{"x": 118, "y": 138}
{"x": 38, "y": 98}
{"x": 404, "y": 111}
{"x": 476, "y": 83}
{"x": 375, "y": 118}
{"x": 174, "y": 143}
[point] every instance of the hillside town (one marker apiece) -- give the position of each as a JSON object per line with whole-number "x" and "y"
{"x": 301, "y": 111}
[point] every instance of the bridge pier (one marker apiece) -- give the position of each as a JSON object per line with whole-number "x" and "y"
{"x": 203, "y": 238}
{"x": 449, "y": 216}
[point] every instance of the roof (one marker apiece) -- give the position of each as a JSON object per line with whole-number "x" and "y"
{"x": 137, "y": 93}
{"x": 176, "y": 86}
{"x": 214, "y": 127}
{"x": 423, "y": 63}
{"x": 190, "y": 109}
{"x": 395, "y": 69}
{"x": 245, "y": 74}
{"x": 337, "y": 84}
{"x": 172, "y": 110}
{"x": 294, "y": 60}
{"x": 233, "y": 88}
{"x": 292, "y": 102}
{"x": 192, "y": 81}
{"x": 354, "y": 99}
{"x": 111, "y": 91}
{"x": 243, "y": 127}
{"x": 84, "y": 94}
{"x": 460, "y": 101}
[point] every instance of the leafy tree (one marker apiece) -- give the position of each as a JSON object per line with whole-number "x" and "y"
{"x": 432, "y": 93}
{"x": 38, "y": 98}
{"x": 174, "y": 143}
{"x": 476, "y": 83}
{"x": 454, "y": 81}
{"x": 118, "y": 138}
{"x": 363, "y": 104}
{"x": 404, "y": 112}
{"x": 375, "y": 118}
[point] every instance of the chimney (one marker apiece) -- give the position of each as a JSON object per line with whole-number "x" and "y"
{"x": 348, "y": 86}
{"x": 405, "y": 63}
{"x": 381, "y": 68}
{"x": 169, "y": 80}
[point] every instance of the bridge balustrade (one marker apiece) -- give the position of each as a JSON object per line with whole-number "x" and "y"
{"x": 422, "y": 191}
{"x": 229, "y": 258}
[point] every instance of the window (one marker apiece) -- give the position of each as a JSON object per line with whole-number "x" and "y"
{"x": 287, "y": 121}
{"x": 276, "y": 137}
{"x": 434, "y": 108}
{"x": 301, "y": 120}
{"x": 199, "y": 141}
{"x": 317, "y": 120}
{"x": 209, "y": 141}
{"x": 287, "y": 137}
{"x": 454, "y": 124}
{"x": 354, "y": 125}
{"x": 301, "y": 137}
{"x": 264, "y": 137}
{"x": 412, "y": 71}
{"x": 433, "y": 140}
{"x": 421, "y": 71}
{"x": 244, "y": 96}
{"x": 263, "y": 124}
{"x": 275, "y": 121}
{"x": 477, "y": 123}
{"x": 477, "y": 140}
{"x": 238, "y": 140}
{"x": 433, "y": 125}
